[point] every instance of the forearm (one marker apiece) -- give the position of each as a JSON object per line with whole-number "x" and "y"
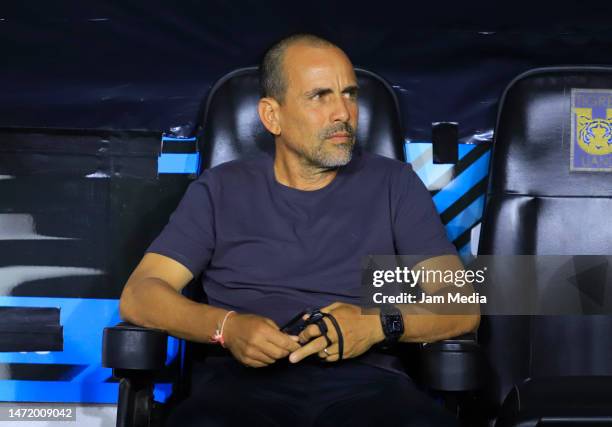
{"x": 429, "y": 321}
{"x": 436, "y": 327}
{"x": 426, "y": 327}
{"x": 153, "y": 303}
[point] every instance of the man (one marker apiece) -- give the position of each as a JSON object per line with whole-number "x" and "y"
{"x": 275, "y": 235}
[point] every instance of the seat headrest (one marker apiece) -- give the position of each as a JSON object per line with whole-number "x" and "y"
{"x": 231, "y": 128}
{"x": 554, "y": 126}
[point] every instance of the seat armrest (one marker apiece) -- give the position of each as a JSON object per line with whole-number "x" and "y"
{"x": 455, "y": 364}
{"x": 135, "y": 354}
{"x": 130, "y": 347}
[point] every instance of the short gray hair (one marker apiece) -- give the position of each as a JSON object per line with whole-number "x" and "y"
{"x": 272, "y": 79}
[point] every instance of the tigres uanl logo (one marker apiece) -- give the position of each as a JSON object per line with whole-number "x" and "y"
{"x": 591, "y": 137}
{"x": 594, "y": 135}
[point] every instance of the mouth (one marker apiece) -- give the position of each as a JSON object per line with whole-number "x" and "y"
{"x": 339, "y": 137}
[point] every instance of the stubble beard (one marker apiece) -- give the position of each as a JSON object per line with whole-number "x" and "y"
{"x": 328, "y": 155}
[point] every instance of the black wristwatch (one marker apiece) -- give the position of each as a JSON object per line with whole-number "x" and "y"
{"x": 392, "y": 324}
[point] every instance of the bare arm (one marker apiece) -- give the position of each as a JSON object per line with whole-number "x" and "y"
{"x": 152, "y": 298}
{"x": 428, "y": 327}
{"x": 361, "y": 331}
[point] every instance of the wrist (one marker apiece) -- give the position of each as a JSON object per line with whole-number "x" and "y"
{"x": 220, "y": 335}
{"x": 392, "y": 323}
{"x": 377, "y": 334}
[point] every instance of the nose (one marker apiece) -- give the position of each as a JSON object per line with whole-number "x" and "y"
{"x": 341, "y": 111}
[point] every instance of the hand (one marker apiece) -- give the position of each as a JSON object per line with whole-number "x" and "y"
{"x": 359, "y": 331}
{"x": 257, "y": 341}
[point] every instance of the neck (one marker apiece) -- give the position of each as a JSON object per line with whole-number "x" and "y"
{"x": 296, "y": 172}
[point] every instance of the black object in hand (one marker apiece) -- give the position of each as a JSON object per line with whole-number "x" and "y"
{"x": 298, "y": 324}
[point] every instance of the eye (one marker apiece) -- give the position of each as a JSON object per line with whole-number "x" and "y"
{"x": 351, "y": 94}
{"x": 319, "y": 94}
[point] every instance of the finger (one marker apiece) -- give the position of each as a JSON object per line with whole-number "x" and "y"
{"x": 264, "y": 358}
{"x": 252, "y": 363}
{"x": 255, "y": 353}
{"x": 310, "y": 332}
{"x": 312, "y": 347}
{"x": 272, "y": 333}
{"x": 331, "y": 307}
{"x": 273, "y": 351}
{"x": 271, "y": 323}
{"x": 332, "y": 358}
{"x": 332, "y": 350}
{"x": 283, "y": 341}
{"x": 313, "y": 331}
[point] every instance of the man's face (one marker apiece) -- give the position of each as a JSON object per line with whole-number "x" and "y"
{"x": 318, "y": 116}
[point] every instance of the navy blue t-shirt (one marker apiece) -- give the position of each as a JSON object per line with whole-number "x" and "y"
{"x": 272, "y": 250}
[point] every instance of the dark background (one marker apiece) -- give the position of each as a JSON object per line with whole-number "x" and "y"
{"x": 148, "y": 64}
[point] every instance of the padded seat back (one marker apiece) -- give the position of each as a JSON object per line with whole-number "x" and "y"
{"x": 231, "y": 128}
{"x": 536, "y": 205}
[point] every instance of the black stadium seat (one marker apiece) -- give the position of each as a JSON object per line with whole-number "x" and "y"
{"x": 548, "y": 369}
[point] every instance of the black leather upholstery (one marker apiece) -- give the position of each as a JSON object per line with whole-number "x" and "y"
{"x": 231, "y": 127}
{"x": 127, "y": 346}
{"x": 532, "y": 135}
{"x": 558, "y": 401}
{"x": 454, "y": 364}
{"x": 535, "y": 205}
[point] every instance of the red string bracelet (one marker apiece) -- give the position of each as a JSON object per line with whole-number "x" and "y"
{"x": 218, "y": 336}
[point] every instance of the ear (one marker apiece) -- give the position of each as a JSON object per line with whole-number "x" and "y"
{"x": 269, "y": 115}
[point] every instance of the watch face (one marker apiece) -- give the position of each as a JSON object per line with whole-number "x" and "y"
{"x": 396, "y": 325}
{"x": 393, "y": 324}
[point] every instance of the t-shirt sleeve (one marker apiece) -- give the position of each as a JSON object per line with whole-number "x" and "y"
{"x": 189, "y": 236}
{"x": 418, "y": 230}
